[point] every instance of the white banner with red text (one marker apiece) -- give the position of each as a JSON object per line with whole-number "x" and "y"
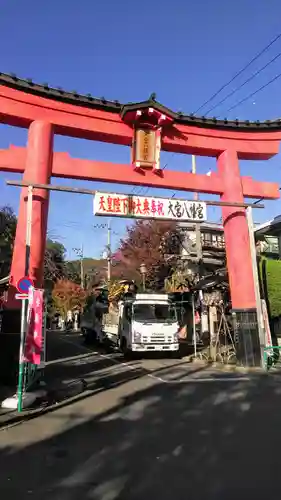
{"x": 144, "y": 207}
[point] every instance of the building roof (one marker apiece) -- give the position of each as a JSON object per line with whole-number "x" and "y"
{"x": 204, "y": 226}
{"x": 114, "y": 106}
{"x": 271, "y": 227}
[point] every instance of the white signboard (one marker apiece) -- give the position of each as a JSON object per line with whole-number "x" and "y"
{"x": 143, "y": 207}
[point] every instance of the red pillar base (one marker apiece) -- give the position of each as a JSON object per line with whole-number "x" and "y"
{"x": 246, "y": 337}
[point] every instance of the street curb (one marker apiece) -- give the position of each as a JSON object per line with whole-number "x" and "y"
{"x": 238, "y": 369}
{"x": 53, "y": 398}
{"x": 225, "y": 367}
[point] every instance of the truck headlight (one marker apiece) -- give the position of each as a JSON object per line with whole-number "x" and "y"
{"x": 176, "y": 337}
{"x": 137, "y": 336}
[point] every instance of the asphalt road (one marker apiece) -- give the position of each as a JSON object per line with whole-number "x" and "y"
{"x": 148, "y": 429}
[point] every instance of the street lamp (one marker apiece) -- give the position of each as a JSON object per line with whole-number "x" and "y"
{"x": 143, "y": 272}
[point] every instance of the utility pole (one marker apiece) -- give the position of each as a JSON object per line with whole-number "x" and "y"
{"x": 197, "y": 225}
{"x": 204, "y": 316}
{"x": 80, "y": 253}
{"x": 82, "y": 267}
{"x": 109, "y": 250}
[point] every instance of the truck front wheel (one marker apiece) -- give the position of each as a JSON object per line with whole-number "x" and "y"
{"x": 127, "y": 353}
{"x": 176, "y": 354}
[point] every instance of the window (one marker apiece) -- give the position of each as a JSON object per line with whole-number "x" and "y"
{"x": 215, "y": 240}
{"x": 154, "y": 313}
{"x": 206, "y": 239}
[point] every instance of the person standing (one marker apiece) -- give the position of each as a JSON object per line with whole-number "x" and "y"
{"x": 69, "y": 320}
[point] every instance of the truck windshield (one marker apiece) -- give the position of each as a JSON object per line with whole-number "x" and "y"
{"x": 154, "y": 313}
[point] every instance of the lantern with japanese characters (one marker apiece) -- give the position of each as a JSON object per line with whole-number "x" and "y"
{"x": 148, "y": 126}
{"x": 146, "y": 148}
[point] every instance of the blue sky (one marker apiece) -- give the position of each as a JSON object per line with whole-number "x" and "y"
{"x": 183, "y": 50}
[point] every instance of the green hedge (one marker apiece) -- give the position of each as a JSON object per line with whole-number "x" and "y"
{"x": 273, "y": 282}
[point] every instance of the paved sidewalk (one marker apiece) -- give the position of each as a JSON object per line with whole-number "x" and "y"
{"x": 63, "y": 376}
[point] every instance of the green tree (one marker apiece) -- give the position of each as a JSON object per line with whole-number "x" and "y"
{"x": 94, "y": 271}
{"x": 54, "y": 262}
{"x": 270, "y": 271}
{"x": 8, "y": 224}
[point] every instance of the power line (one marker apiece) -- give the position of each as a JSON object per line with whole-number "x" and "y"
{"x": 243, "y": 84}
{"x": 255, "y": 92}
{"x": 239, "y": 72}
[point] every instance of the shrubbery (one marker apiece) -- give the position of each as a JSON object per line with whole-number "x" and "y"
{"x": 272, "y": 284}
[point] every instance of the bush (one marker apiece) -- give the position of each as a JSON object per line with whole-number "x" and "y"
{"x": 273, "y": 288}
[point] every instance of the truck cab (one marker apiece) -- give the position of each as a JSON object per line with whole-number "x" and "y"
{"x": 144, "y": 323}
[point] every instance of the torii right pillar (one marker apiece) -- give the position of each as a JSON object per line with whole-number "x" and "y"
{"x": 239, "y": 262}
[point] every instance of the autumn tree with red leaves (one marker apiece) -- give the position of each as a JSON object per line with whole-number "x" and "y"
{"x": 149, "y": 242}
{"x": 68, "y": 296}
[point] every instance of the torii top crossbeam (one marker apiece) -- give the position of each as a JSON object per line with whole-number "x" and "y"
{"x": 75, "y": 115}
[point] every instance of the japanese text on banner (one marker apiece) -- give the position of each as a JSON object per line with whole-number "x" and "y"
{"x": 148, "y": 207}
{"x": 130, "y": 205}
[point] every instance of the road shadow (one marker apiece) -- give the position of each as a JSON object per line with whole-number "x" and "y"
{"x": 101, "y": 375}
{"x": 182, "y": 441}
{"x": 61, "y": 344}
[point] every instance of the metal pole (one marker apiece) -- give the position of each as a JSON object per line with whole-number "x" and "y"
{"x": 45, "y": 333}
{"x": 109, "y": 251}
{"x": 197, "y": 226}
{"x": 199, "y": 253}
{"x": 260, "y": 321}
{"x": 82, "y": 267}
{"x": 66, "y": 189}
{"x": 194, "y": 328}
{"x": 25, "y": 301}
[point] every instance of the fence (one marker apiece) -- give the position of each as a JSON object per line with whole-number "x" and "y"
{"x": 272, "y": 358}
{"x": 33, "y": 373}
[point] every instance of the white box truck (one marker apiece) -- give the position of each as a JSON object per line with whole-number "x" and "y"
{"x": 144, "y": 323}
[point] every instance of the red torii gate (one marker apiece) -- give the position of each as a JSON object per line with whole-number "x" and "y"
{"x": 46, "y": 111}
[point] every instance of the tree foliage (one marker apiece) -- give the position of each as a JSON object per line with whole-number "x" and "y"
{"x": 8, "y": 224}
{"x": 54, "y": 261}
{"x": 147, "y": 242}
{"x": 179, "y": 281}
{"x": 68, "y": 296}
{"x": 94, "y": 271}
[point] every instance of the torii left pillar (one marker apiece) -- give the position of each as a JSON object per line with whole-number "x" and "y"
{"x": 38, "y": 169}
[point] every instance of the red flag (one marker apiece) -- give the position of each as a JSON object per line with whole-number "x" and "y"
{"x": 33, "y": 342}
